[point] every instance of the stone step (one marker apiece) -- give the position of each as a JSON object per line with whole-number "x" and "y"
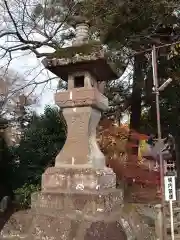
{"x": 17, "y": 226}
{"x": 176, "y": 236}
{"x": 176, "y": 224}
{"x": 176, "y": 221}
{"x": 175, "y": 205}
{"x": 175, "y": 209}
{"x": 15, "y": 235}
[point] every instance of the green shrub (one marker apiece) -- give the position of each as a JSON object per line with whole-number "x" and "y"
{"x": 23, "y": 194}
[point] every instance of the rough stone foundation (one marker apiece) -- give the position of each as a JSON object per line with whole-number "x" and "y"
{"x": 66, "y": 212}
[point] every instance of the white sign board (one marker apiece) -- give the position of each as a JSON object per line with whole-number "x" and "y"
{"x": 170, "y": 188}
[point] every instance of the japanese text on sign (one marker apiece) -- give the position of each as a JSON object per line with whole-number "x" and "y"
{"x": 170, "y": 188}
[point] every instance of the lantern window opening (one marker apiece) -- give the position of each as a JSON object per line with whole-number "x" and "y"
{"x": 79, "y": 81}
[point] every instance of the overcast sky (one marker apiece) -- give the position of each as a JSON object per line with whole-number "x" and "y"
{"x": 24, "y": 65}
{"x": 30, "y": 68}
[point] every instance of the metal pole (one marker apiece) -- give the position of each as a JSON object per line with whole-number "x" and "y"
{"x": 155, "y": 80}
{"x": 172, "y": 220}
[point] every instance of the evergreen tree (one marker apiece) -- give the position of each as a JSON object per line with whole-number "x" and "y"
{"x": 39, "y": 146}
{"x": 5, "y": 162}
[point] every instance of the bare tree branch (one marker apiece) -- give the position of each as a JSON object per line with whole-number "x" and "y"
{"x": 27, "y": 43}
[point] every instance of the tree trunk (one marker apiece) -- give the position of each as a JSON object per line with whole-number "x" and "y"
{"x": 136, "y": 99}
{"x": 177, "y": 145}
{"x": 136, "y": 96}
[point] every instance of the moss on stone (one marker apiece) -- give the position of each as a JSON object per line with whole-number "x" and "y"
{"x": 84, "y": 49}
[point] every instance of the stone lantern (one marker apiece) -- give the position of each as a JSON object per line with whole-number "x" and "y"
{"x": 78, "y": 198}
{"x": 80, "y": 184}
{"x": 85, "y": 69}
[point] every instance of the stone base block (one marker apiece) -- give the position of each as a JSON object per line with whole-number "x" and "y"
{"x": 88, "y": 204}
{"x": 48, "y": 222}
{"x": 49, "y": 226}
{"x": 18, "y": 226}
{"x": 71, "y": 216}
{"x": 68, "y": 228}
{"x": 71, "y": 178}
{"x": 70, "y": 213}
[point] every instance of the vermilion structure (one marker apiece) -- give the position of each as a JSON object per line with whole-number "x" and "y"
{"x": 113, "y": 140}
